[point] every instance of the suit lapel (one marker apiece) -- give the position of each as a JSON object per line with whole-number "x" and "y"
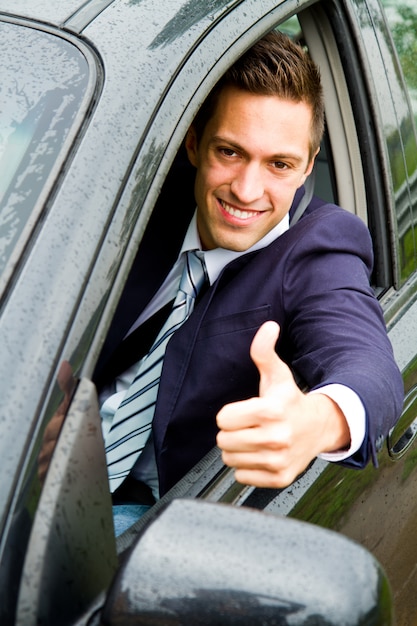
{"x": 157, "y": 253}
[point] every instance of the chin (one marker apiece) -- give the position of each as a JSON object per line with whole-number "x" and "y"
{"x": 236, "y": 246}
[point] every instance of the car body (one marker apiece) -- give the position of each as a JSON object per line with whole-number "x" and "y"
{"x": 99, "y": 97}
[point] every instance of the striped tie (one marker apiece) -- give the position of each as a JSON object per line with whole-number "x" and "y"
{"x": 133, "y": 419}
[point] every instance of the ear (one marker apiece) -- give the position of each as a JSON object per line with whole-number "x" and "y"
{"x": 310, "y": 166}
{"x": 191, "y": 146}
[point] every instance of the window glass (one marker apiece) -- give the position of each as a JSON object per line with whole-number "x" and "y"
{"x": 43, "y": 81}
{"x": 324, "y": 185}
{"x": 402, "y": 19}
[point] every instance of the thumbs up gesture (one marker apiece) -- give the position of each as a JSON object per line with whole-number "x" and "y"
{"x": 272, "y": 438}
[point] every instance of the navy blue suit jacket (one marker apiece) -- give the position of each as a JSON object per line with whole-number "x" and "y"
{"x": 314, "y": 281}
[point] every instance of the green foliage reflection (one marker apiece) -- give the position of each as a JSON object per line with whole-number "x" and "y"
{"x": 402, "y": 19}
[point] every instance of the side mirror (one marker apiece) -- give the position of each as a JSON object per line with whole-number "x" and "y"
{"x": 203, "y": 563}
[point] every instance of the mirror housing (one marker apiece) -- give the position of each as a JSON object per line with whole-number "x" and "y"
{"x": 205, "y": 563}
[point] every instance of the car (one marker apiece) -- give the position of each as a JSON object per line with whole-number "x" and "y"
{"x": 95, "y": 101}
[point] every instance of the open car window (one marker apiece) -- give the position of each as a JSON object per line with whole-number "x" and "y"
{"x": 338, "y": 175}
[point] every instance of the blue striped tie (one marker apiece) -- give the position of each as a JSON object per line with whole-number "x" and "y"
{"x": 132, "y": 421}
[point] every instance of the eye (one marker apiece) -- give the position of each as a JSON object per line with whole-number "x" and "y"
{"x": 227, "y": 152}
{"x": 279, "y": 165}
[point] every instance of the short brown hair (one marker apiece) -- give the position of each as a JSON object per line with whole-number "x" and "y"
{"x": 274, "y": 66}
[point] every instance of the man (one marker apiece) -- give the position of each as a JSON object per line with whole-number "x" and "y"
{"x": 284, "y": 302}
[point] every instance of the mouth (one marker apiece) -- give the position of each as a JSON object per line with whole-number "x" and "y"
{"x": 241, "y": 214}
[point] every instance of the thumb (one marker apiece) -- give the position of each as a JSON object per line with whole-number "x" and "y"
{"x": 270, "y": 366}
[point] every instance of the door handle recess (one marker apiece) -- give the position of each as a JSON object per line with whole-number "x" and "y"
{"x": 404, "y": 433}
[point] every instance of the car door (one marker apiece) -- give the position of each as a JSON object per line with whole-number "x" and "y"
{"x": 372, "y": 148}
{"x": 370, "y": 162}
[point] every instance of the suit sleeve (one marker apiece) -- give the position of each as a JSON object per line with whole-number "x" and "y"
{"x": 335, "y": 331}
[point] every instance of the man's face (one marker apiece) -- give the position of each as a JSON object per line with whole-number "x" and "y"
{"x": 252, "y": 157}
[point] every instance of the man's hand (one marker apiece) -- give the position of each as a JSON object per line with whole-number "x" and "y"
{"x": 271, "y": 439}
{"x": 66, "y": 383}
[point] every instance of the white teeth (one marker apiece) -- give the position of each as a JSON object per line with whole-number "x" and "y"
{"x": 243, "y": 215}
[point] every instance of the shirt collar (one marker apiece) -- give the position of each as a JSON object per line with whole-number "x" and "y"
{"x": 218, "y": 258}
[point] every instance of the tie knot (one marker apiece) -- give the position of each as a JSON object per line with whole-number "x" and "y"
{"x": 194, "y": 274}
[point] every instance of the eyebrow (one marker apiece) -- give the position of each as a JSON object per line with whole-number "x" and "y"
{"x": 218, "y": 139}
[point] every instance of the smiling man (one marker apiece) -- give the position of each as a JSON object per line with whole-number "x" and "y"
{"x": 284, "y": 306}
{"x": 252, "y": 157}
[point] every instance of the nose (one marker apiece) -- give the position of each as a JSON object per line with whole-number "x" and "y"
{"x": 247, "y": 184}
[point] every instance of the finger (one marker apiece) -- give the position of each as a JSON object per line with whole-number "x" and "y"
{"x": 65, "y": 378}
{"x": 271, "y": 469}
{"x": 266, "y": 469}
{"x": 262, "y": 478}
{"x": 53, "y": 428}
{"x": 273, "y": 372}
{"x": 44, "y": 460}
{"x": 271, "y": 436}
{"x": 238, "y": 415}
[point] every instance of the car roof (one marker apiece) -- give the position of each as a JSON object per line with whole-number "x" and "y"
{"x": 55, "y": 13}
{"x": 75, "y": 15}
